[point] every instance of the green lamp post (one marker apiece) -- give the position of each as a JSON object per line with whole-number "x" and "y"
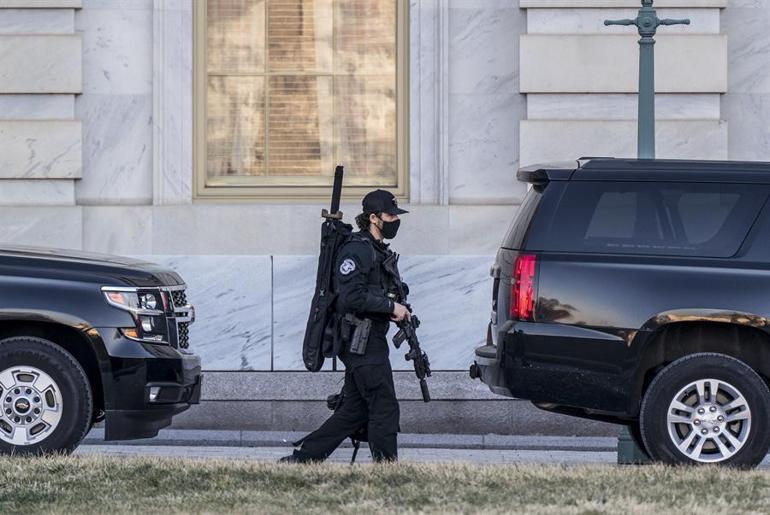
{"x": 648, "y": 22}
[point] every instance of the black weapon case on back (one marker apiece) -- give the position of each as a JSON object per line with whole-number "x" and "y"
{"x": 320, "y": 333}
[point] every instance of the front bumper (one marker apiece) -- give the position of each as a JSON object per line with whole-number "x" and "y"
{"x": 145, "y": 386}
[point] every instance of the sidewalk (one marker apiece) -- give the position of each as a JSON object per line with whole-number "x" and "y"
{"x": 407, "y": 455}
{"x": 282, "y": 439}
{"x": 418, "y": 448}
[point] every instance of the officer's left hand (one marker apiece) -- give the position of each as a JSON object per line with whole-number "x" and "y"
{"x": 400, "y": 312}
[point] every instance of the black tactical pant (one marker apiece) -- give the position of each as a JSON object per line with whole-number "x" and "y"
{"x": 369, "y": 401}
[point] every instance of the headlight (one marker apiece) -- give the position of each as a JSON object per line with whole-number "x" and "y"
{"x": 127, "y": 300}
{"x": 148, "y": 301}
{"x": 151, "y": 324}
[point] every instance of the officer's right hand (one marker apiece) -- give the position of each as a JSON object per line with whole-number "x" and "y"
{"x": 400, "y": 312}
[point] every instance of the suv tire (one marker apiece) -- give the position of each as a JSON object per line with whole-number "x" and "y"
{"x": 46, "y": 403}
{"x": 707, "y": 408}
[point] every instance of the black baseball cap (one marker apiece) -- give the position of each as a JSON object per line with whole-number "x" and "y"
{"x": 381, "y": 201}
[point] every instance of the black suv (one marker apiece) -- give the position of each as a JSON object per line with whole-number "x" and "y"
{"x": 86, "y": 338}
{"x": 638, "y": 292}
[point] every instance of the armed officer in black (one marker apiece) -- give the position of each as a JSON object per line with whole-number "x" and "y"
{"x": 368, "y": 395}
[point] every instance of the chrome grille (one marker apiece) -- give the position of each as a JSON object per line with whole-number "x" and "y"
{"x": 182, "y": 314}
{"x": 179, "y": 298}
{"x": 183, "y": 330}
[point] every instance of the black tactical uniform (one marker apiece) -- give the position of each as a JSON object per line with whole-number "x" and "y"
{"x": 369, "y": 397}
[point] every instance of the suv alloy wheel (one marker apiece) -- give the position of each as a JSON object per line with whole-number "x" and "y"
{"x": 45, "y": 398}
{"x": 707, "y": 408}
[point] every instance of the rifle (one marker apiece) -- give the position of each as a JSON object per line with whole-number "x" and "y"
{"x": 407, "y": 327}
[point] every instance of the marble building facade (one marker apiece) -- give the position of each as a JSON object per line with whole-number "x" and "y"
{"x": 96, "y": 150}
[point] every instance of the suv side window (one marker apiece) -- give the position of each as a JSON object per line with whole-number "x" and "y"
{"x": 673, "y": 219}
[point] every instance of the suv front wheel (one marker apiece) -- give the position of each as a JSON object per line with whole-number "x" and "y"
{"x": 45, "y": 398}
{"x": 707, "y": 408}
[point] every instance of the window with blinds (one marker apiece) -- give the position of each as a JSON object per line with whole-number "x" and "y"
{"x": 293, "y": 87}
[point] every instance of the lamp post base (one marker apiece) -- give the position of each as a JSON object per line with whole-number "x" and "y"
{"x": 629, "y": 452}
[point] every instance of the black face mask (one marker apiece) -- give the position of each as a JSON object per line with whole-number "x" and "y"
{"x": 389, "y": 229}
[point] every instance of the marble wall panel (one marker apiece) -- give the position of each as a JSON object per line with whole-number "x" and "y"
{"x": 16, "y": 192}
{"x": 117, "y": 104}
{"x": 117, "y": 50}
{"x": 37, "y": 21}
{"x": 294, "y": 282}
{"x": 619, "y": 106}
{"x": 748, "y": 115}
{"x": 39, "y": 149}
{"x": 451, "y": 295}
{"x": 117, "y": 229}
{"x": 232, "y": 297}
{"x": 618, "y": 3}
{"x": 675, "y": 139}
{"x": 287, "y": 229}
{"x": 126, "y": 4}
{"x": 237, "y": 229}
{"x": 173, "y": 102}
{"x": 483, "y": 4}
{"x": 749, "y": 46}
{"x": 40, "y": 64}
{"x": 57, "y": 227}
{"x": 424, "y": 230}
{"x": 479, "y": 230}
{"x": 746, "y": 106}
{"x": 484, "y": 103}
{"x": 482, "y": 48}
{"x": 582, "y": 21}
{"x": 117, "y": 149}
{"x": 483, "y": 153}
{"x": 428, "y": 49}
{"x": 36, "y": 107}
{"x": 607, "y": 63}
{"x": 41, "y": 4}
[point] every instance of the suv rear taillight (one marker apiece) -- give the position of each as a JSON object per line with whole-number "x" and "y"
{"x": 523, "y": 288}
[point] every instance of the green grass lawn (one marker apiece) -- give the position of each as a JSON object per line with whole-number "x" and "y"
{"x": 103, "y": 485}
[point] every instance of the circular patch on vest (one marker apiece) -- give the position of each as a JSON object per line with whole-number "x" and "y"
{"x": 347, "y": 266}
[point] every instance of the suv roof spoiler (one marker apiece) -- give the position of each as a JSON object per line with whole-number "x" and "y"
{"x": 546, "y": 172}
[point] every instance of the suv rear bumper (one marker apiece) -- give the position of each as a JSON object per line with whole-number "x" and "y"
{"x": 561, "y": 387}
{"x": 486, "y": 367}
{"x": 145, "y": 386}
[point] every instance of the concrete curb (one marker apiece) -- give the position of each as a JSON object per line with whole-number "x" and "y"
{"x": 212, "y": 438}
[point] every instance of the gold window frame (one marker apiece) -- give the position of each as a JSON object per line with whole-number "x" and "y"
{"x": 237, "y": 188}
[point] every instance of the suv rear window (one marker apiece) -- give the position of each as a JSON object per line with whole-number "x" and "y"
{"x": 514, "y": 238}
{"x": 676, "y": 219}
